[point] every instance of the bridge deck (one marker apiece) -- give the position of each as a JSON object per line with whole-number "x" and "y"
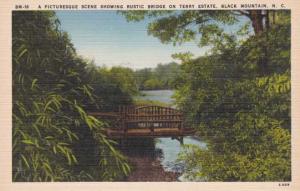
{"x": 143, "y": 132}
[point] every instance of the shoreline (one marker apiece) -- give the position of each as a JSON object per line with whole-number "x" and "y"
{"x": 147, "y": 169}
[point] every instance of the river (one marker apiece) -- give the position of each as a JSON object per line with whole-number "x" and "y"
{"x": 168, "y": 148}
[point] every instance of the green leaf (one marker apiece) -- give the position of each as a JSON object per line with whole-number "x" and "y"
{"x": 24, "y": 51}
{"x": 28, "y": 142}
{"x": 25, "y": 161}
{"x": 33, "y": 83}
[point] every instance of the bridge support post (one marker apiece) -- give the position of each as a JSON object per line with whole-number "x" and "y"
{"x": 152, "y": 129}
{"x": 181, "y": 140}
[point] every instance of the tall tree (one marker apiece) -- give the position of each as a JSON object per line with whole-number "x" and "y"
{"x": 51, "y": 91}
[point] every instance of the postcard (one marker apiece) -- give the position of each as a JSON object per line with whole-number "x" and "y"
{"x": 144, "y": 95}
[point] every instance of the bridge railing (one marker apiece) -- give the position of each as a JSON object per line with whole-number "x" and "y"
{"x": 150, "y": 117}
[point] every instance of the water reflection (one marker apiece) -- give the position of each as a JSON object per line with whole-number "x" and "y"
{"x": 170, "y": 150}
{"x": 141, "y": 147}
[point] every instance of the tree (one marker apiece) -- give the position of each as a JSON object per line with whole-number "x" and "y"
{"x": 240, "y": 112}
{"x": 109, "y": 91}
{"x": 205, "y": 26}
{"x": 51, "y": 95}
{"x": 125, "y": 78}
{"x": 180, "y": 26}
{"x": 163, "y": 76}
{"x": 152, "y": 84}
{"x": 141, "y": 76}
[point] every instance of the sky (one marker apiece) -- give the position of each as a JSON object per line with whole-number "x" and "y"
{"x": 108, "y": 39}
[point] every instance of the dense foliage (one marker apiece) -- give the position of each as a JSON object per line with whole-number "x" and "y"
{"x": 240, "y": 100}
{"x": 112, "y": 86}
{"x": 54, "y": 138}
{"x": 238, "y": 96}
{"x": 160, "y": 77}
{"x": 130, "y": 81}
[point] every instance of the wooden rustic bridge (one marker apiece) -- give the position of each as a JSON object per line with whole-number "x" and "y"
{"x": 145, "y": 121}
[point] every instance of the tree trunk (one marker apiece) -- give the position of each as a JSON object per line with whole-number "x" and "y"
{"x": 256, "y": 17}
{"x": 258, "y": 24}
{"x": 267, "y": 23}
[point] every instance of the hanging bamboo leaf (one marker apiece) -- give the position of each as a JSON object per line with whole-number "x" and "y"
{"x": 25, "y": 161}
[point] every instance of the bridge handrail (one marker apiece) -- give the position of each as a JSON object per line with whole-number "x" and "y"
{"x": 148, "y": 116}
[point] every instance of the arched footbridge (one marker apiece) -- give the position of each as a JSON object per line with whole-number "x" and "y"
{"x": 145, "y": 121}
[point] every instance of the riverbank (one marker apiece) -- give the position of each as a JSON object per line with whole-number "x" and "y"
{"x": 145, "y": 161}
{"x": 156, "y": 160}
{"x": 147, "y": 169}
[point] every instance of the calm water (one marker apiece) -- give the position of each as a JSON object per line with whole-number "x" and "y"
{"x": 170, "y": 148}
{"x": 159, "y": 95}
